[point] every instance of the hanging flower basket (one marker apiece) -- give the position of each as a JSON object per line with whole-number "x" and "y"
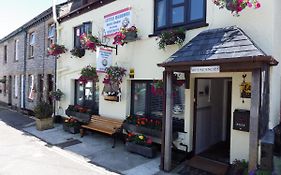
{"x": 89, "y": 41}
{"x": 88, "y": 73}
{"x": 56, "y": 49}
{"x": 236, "y": 6}
{"x": 125, "y": 35}
{"x": 171, "y": 37}
{"x": 78, "y": 52}
{"x": 3, "y": 80}
{"x": 56, "y": 95}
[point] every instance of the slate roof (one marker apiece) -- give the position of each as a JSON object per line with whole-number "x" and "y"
{"x": 214, "y": 44}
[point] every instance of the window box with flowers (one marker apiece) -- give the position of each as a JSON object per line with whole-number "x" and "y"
{"x": 78, "y": 52}
{"x": 55, "y": 49}
{"x": 140, "y": 144}
{"x": 176, "y": 36}
{"x": 89, "y": 42}
{"x": 237, "y": 6}
{"x": 112, "y": 81}
{"x": 71, "y": 125}
{"x": 125, "y": 35}
{"x": 79, "y": 113}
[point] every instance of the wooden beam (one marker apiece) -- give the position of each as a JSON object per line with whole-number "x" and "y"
{"x": 163, "y": 124}
{"x": 254, "y": 119}
{"x": 187, "y": 80}
{"x": 168, "y": 123}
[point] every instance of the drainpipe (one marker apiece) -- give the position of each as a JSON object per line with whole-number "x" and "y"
{"x": 24, "y": 67}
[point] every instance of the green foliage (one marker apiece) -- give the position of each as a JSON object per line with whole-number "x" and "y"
{"x": 176, "y": 36}
{"x": 78, "y": 52}
{"x": 43, "y": 110}
{"x": 89, "y": 71}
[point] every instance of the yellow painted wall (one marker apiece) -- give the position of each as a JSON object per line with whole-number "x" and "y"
{"x": 143, "y": 55}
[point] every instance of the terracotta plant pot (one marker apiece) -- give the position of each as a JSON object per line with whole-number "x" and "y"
{"x": 111, "y": 98}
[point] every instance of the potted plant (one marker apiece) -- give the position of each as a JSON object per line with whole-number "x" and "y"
{"x": 112, "y": 82}
{"x": 125, "y": 35}
{"x": 80, "y": 113}
{"x": 88, "y": 73}
{"x": 56, "y": 95}
{"x": 236, "y": 6}
{"x": 43, "y": 113}
{"x": 3, "y": 80}
{"x": 89, "y": 41}
{"x": 176, "y": 36}
{"x": 239, "y": 167}
{"x": 55, "y": 49}
{"x": 78, "y": 52}
{"x": 140, "y": 144}
{"x": 71, "y": 125}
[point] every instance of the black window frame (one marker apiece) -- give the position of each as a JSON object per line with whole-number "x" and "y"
{"x": 82, "y": 28}
{"x": 148, "y": 96}
{"x": 187, "y": 24}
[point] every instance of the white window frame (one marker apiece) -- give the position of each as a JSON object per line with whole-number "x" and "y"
{"x": 16, "y": 50}
{"x": 31, "y": 44}
{"x": 16, "y": 84}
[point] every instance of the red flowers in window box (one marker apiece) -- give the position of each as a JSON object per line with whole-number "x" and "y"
{"x": 55, "y": 49}
{"x": 125, "y": 35}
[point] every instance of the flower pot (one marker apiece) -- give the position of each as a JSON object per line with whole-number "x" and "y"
{"x": 173, "y": 39}
{"x": 130, "y": 36}
{"x": 142, "y": 130}
{"x": 81, "y": 117}
{"x": 44, "y": 124}
{"x": 111, "y": 98}
{"x": 71, "y": 129}
{"x": 145, "y": 151}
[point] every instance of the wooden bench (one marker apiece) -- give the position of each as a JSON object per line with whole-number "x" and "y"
{"x": 104, "y": 125}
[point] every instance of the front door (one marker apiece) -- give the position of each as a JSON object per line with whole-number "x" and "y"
{"x": 10, "y": 91}
{"x": 22, "y": 91}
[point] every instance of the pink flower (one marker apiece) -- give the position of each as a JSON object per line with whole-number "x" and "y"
{"x": 249, "y": 4}
{"x": 258, "y": 5}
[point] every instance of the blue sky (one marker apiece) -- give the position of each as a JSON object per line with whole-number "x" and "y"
{"x": 14, "y": 13}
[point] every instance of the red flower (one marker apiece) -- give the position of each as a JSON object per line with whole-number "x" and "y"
{"x": 258, "y": 5}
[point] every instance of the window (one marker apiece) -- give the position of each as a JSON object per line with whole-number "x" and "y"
{"x": 175, "y": 13}
{"x": 40, "y": 87}
{"x": 5, "y": 54}
{"x": 51, "y": 34}
{"x": 16, "y": 86}
{"x": 31, "y": 89}
{"x": 16, "y": 50}
{"x": 87, "y": 95}
{"x": 31, "y": 44}
{"x": 79, "y": 30}
{"x": 145, "y": 102}
{"x": 5, "y": 85}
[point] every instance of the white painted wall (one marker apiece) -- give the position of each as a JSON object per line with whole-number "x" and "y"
{"x": 143, "y": 55}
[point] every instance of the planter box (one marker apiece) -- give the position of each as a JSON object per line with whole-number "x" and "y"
{"x": 71, "y": 129}
{"x": 81, "y": 117}
{"x": 149, "y": 152}
{"x": 142, "y": 130}
{"x": 111, "y": 98}
{"x": 43, "y": 124}
{"x": 130, "y": 36}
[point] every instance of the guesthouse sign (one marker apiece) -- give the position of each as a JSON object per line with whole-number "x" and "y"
{"x": 114, "y": 21}
{"x": 204, "y": 69}
{"x": 104, "y": 59}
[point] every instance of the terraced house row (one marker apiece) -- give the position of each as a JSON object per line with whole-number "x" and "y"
{"x": 210, "y": 75}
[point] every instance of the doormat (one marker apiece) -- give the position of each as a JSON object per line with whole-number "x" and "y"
{"x": 68, "y": 143}
{"x": 187, "y": 170}
{"x": 207, "y": 165}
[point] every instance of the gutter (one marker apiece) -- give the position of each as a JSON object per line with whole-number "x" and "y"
{"x": 24, "y": 67}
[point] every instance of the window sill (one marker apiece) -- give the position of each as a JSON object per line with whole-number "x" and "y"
{"x": 31, "y": 57}
{"x": 187, "y": 27}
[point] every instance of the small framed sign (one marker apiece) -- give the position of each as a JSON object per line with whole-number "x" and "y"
{"x": 241, "y": 120}
{"x": 205, "y": 69}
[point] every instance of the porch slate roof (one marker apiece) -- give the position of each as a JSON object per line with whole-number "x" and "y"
{"x": 216, "y": 44}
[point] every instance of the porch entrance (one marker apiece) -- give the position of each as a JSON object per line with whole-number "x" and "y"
{"x": 212, "y": 123}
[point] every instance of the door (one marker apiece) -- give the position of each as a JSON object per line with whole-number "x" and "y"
{"x": 22, "y": 91}
{"x": 10, "y": 91}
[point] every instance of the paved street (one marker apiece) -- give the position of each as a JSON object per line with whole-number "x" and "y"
{"x": 26, "y": 155}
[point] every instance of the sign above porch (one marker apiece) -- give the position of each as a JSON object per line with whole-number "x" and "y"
{"x": 204, "y": 69}
{"x": 114, "y": 21}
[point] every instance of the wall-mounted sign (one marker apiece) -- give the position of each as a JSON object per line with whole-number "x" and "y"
{"x": 241, "y": 120}
{"x": 104, "y": 59}
{"x": 114, "y": 21}
{"x": 205, "y": 69}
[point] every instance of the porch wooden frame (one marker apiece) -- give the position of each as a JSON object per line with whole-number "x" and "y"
{"x": 258, "y": 65}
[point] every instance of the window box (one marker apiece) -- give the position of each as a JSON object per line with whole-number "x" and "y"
{"x": 111, "y": 98}
{"x": 81, "y": 117}
{"x": 145, "y": 151}
{"x": 130, "y": 36}
{"x": 143, "y": 130}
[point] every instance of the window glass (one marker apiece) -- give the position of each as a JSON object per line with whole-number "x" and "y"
{"x": 139, "y": 98}
{"x": 87, "y": 27}
{"x": 79, "y": 93}
{"x": 161, "y": 13}
{"x": 16, "y": 50}
{"x": 32, "y": 39}
{"x": 178, "y": 15}
{"x": 197, "y": 9}
{"x": 175, "y": 2}
{"x": 52, "y": 31}
{"x": 16, "y": 85}
{"x": 156, "y": 104}
{"x": 89, "y": 91}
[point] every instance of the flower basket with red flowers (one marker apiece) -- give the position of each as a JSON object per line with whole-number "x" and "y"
{"x": 125, "y": 35}
{"x": 55, "y": 49}
{"x": 71, "y": 125}
{"x": 80, "y": 113}
{"x": 89, "y": 41}
{"x": 88, "y": 73}
{"x": 236, "y": 6}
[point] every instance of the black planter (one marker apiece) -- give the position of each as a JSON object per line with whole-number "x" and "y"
{"x": 142, "y": 130}
{"x": 145, "y": 151}
{"x": 81, "y": 117}
{"x": 58, "y": 119}
{"x": 277, "y": 140}
{"x": 71, "y": 129}
{"x": 130, "y": 36}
